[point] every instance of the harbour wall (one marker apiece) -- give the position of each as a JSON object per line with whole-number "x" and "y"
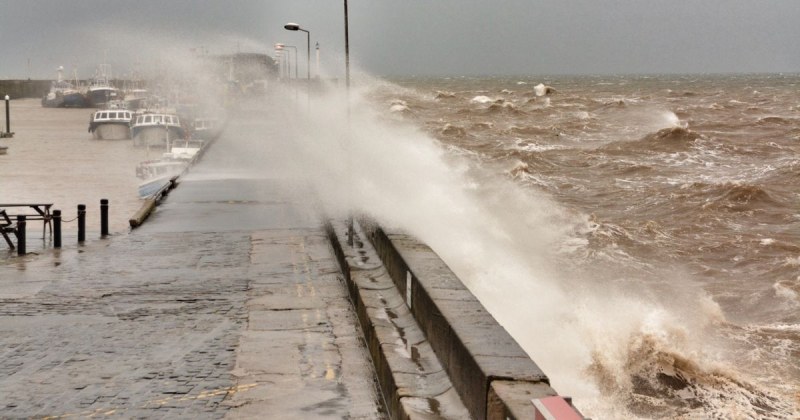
{"x": 24, "y": 88}
{"x": 493, "y": 376}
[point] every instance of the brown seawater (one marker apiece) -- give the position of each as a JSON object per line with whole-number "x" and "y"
{"x": 688, "y": 191}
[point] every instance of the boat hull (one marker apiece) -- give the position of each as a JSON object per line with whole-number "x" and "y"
{"x": 112, "y": 131}
{"x": 152, "y": 186}
{"x": 155, "y": 136}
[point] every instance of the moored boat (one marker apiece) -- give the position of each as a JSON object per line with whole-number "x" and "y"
{"x": 63, "y": 94}
{"x": 157, "y": 174}
{"x": 206, "y": 129}
{"x": 111, "y": 124}
{"x": 156, "y": 129}
{"x": 100, "y": 90}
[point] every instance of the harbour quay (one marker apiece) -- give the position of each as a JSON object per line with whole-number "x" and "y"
{"x": 240, "y": 298}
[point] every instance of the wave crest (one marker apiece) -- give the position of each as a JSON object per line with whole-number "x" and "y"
{"x": 658, "y": 382}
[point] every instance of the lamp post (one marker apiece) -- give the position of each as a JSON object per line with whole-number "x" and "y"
{"x": 281, "y": 63}
{"x": 295, "y": 27}
{"x": 8, "y": 117}
{"x": 350, "y": 230}
{"x": 281, "y": 47}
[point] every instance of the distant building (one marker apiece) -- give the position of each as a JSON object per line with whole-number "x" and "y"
{"x": 246, "y": 68}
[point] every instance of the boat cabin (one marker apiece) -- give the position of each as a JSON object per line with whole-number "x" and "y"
{"x": 157, "y": 119}
{"x": 112, "y": 116}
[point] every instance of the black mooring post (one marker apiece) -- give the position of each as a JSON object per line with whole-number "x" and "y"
{"x": 81, "y": 222}
{"x": 56, "y": 228}
{"x": 8, "y": 116}
{"x": 21, "y": 234}
{"x": 104, "y": 217}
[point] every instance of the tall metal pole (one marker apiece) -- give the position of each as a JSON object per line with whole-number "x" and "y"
{"x": 308, "y": 53}
{"x": 8, "y": 117}
{"x": 347, "y": 54}
{"x": 350, "y": 230}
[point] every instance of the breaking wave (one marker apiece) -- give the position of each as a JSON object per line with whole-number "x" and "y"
{"x": 656, "y": 381}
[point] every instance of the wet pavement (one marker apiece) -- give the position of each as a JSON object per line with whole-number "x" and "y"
{"x": 228, "y": 302}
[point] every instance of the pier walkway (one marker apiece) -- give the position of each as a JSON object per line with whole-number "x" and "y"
{"x": 187, "y": 317}
{"x": 237, "y": 299}
{"x": 228, "y": 302}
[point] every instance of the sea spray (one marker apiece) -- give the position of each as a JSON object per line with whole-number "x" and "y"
{"x": 600, "y": 331}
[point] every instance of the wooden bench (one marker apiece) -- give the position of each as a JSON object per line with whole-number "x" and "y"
{"x": 42, "y": 213}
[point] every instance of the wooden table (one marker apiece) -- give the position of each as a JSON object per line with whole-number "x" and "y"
{"x": 42, "y": 213}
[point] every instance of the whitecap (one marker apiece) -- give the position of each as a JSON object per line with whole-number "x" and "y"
{"x": 398, "y": 108}
{"x": 481, "y": 99}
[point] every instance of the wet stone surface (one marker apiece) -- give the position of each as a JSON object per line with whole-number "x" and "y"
{"x": 160, "y": 334}
{"x": 171, "y": 323}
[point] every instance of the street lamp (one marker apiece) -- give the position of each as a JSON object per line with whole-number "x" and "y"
{"x": 295, "y": 27}
{"x": 281, "y": 47}
{"x": 350, "y": 230}
{"x": 281, "y": 64}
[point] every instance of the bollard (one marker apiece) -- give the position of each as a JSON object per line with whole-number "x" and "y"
{"x": 56, "y": 228}
{"x": 21, "y": 234}
{"x": 81, "y": 223}
{"x": 104, "y": 217}
{"x": 8, "y": 117}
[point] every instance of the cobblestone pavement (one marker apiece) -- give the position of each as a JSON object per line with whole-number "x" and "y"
{"x": 191, "y": 316}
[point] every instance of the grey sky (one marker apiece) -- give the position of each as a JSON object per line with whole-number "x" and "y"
{"x": 413, "y": 37}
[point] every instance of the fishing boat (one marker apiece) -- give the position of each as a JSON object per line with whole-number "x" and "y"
{"x": 100, "y": 90}
{"x": 206, "y": 129}
{"x": 156, "y": 129}
{"x": 158, "y": 173}
{"x": 111, "y": 124}
{"x": 64, "y": 94}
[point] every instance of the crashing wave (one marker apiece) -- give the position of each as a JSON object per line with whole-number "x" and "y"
{"x": 541, "y": 90}
{"x": 502, "y": 106}
{"x": 398, "y": 106}
{"x": 482, "y": 125}
{"x": 481, "y": 99}
{"x": 674, "y": 135}
{"x": 453, "y": 131}
{"x": 444, "y": 95}
{"x": 656, "y": 381}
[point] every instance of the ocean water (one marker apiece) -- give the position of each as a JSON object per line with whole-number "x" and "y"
{"x": 52, "y": 158}
{"x": 638, "y": 236}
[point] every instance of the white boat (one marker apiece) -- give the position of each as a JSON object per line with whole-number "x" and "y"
{"x": 159, "y": 173}
{"x": 111, "y": 124}
{"x": 156, "y": 129}
{"x": 206, "y": 129}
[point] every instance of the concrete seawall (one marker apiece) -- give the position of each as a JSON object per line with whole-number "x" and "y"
{"x": 24, "y": 88}
{"x": 492, "y": 375}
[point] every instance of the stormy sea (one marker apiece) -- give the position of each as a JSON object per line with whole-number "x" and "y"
{"x": 638, "y": 235}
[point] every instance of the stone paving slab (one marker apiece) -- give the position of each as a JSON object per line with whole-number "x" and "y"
{"x": 186, "y": 320}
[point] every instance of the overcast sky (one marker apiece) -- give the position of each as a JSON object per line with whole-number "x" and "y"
{"x": 412, "y": 37}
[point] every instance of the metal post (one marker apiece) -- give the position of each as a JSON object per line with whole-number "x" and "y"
{"x": 350, "y": 230}
{"x": 8, "y": 116}
{"x": 21, "y": 234}
{"x": 104, "y": 217}
{"x": 81, "y": 223}
{"x": 56, "y": 228}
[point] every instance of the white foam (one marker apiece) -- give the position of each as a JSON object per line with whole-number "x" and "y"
{"x": 481, "y": 99}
